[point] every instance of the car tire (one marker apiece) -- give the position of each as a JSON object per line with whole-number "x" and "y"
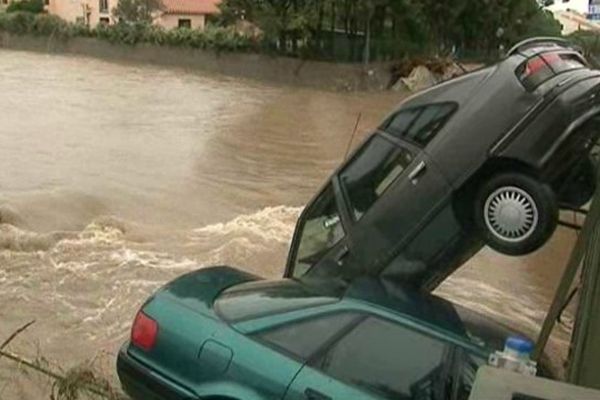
{"x": 580, "y": 188}
{"x": 515, "y": 214}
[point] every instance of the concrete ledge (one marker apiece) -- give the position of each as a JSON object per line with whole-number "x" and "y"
{"x": 282, "y": 70}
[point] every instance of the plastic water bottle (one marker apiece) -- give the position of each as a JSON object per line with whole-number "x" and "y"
{"x": 516, "y": 356}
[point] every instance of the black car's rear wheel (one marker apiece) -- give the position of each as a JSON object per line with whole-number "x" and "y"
{"x": 515, "y": 214}
{"x": 578, "y": 187}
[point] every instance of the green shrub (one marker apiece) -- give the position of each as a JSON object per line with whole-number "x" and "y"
{"x": 18, "y": 23}
{"x": 50, "y": 25}
{"x": 589, "y": 41}
{"x": 32, "y": 6}
{"x": 212, "y": 38}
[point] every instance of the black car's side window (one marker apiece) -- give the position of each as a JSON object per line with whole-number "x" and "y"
{"x": 304, "y": 338}
{"x": 429, "y": 122}
{"x": 420, "y": 124}
{"x": 371, "y": 172}
{"x": 390, "y": 361}
{"x": 399, "y": 123}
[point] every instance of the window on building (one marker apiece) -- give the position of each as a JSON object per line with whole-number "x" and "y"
{"x": 372, "y": 171}
{"x": 4, "y": 1}
{"x": 103, "y": 6}
{"x": 46, "y": 2}
{"x": 416, "y": 366}
{"x": 304, "y": 338}
{"x": 184, "y": 23}
{"x": 104, "y": 21}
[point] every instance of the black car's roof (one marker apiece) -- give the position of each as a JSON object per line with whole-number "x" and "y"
{"x": 464, "y": 88}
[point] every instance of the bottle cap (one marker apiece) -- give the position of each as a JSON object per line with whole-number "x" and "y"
{"x": 519, "y": 344}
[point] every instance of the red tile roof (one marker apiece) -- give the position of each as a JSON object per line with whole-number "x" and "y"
{"x": 191, "y": 6}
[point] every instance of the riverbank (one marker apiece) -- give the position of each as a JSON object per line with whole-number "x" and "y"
{"x": 272, "y": 69}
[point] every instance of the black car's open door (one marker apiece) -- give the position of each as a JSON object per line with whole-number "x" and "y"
{"x": 372, "y": 210}
{"x": 321, "y": 235}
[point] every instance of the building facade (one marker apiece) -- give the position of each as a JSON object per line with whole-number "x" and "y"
{"x": 88, "y": 12}
{"x": 580, "y": 6}
{"x": 173, "y": 14}
{"x": 186, "y": 13}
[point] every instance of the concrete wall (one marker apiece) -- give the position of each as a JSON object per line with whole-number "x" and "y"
{"x": 572, "y": 22}
{"x": 289, "y": 71}
{"x": 170, "y": 21}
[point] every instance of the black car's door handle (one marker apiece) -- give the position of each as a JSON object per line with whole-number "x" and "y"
{"x": 418, "y": 171}
{"x": 312, "y": 394}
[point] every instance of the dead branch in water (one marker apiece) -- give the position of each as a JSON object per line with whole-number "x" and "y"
{"x": 68, "y": 386}
{"x": 15, "y": 334}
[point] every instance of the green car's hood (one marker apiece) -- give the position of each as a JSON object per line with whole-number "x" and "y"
{"x": 198, "y": 290}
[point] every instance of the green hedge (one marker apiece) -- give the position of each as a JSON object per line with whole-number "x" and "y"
{"x": 32, "y": 6}
{"x": 588, "y": 40}
{"x": 212, "y": 38}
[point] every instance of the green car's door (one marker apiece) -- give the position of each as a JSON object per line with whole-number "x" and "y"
{"x": 378, "y": 359}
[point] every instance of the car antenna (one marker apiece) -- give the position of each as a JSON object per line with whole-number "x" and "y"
{"x": 358, "y": 117}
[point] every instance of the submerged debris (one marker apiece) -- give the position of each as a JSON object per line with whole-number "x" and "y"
{"x": 419, "y": 73}
{"x": 83, "y": 381}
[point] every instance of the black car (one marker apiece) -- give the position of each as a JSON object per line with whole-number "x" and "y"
{"x": 487, "y": 158}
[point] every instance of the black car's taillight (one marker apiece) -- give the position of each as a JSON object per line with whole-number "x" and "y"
{"x": 144, "y": 332}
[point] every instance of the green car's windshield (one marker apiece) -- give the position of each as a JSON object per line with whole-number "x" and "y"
{"x": 253, "y": 300}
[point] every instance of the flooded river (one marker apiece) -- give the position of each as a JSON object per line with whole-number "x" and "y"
{"x": 115, "y": 178}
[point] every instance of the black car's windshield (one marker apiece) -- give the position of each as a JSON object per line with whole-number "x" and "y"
{"x": 255, "y": 300}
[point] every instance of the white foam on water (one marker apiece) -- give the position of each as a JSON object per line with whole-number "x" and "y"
{"x": 269, "y": 224}
{"x": 126, "y": 257}
{"x": 524, "y": 312}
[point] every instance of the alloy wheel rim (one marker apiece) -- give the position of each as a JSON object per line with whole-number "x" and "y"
{"x": 511, "y": 214}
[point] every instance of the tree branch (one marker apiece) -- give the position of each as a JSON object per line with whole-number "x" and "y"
{"x": 15, "y": 334}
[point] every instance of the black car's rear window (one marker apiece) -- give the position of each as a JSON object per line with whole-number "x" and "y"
{"x": 537, "y": 70}
{"x": 254, "y": 300}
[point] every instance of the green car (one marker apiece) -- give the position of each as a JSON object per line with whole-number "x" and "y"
{"x": 221, "y": 333}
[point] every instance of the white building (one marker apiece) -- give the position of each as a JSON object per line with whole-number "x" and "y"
{"x": 580, "y": 6}
{"x": 175, "y": 13}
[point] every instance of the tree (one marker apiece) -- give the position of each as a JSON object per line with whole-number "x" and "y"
{"x": 32, "y": 6}
{"x": 383, "y": 29}
{"x": 136, "y": 11}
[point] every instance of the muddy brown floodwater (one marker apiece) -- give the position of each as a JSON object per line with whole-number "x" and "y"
{"x": 116, "y": 178}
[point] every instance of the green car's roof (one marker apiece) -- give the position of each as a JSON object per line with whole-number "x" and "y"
{"x": 262, "y": 298}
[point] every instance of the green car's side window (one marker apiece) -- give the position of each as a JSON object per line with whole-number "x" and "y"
{"x": 304, "y": 338}
{"x": 390, "y": 361}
